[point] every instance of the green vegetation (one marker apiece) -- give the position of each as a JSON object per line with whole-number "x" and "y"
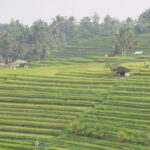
{"x": 124, "y": 39}
{"x": 69, "y": 98}
{"x": 75, "y": 104}
{"x": 42, "y": 41}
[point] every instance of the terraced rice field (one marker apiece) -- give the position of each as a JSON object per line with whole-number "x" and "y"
{"x": 144, "y": 43}
{"x": 81, "y": 48}
{"x": 45, "y": 99}
{"x": 99, "y": 46}
{"x": 124, "y": 116}
{"x": 42, "y": 102}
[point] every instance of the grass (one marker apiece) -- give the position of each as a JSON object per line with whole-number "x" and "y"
{"x": 44, "y": 100}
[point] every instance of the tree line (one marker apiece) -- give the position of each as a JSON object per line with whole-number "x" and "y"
{"x": 19, "y": 41}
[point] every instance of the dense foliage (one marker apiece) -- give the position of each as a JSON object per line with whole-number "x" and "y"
{"x": 18, "y": 41}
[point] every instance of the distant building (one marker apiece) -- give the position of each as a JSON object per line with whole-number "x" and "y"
{"x": 5, "y": 62}
{"x": 21, "y": 64}
{"x": 139, "y": 53}
{"x": 122, "y": 72}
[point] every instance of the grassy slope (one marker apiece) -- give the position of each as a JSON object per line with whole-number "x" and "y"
{"x": 99, "y": 46}
{"x": 83, "y": 48}
{"x": 42, "y": 101}
{"x": 125, "y": 109}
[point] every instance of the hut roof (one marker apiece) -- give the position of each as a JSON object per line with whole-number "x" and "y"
{"x": 21, "y": 61}
{"x": 121, "y": 69}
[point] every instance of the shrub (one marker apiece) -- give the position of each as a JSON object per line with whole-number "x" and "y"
{"x": 75, "y": 128}
{"x": 112, "y": 66}
{"x": 99, "y": 131}
{"x": 121, "y": 135}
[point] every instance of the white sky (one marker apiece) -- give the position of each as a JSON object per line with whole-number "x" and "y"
{"x": 28, "y": 11}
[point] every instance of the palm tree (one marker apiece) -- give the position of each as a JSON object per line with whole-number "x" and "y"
{"x": 132, "y": 42}
{"x": 38, "y": 36}
{"x": 57, "y": 24}
{"x": 124, "y": 39}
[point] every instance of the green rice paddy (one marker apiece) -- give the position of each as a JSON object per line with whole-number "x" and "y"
{"x": 44, "y": 100}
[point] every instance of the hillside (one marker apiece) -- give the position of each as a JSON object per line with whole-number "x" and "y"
{"x": 122, "y": 117}
{"x": 83, "y": 48}
{"x": 99, "y": 46}
{"x": 41, "y": 102}
{"x": 44, "y": 100}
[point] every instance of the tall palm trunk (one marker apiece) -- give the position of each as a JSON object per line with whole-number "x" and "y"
{"x": 122, "y": 51}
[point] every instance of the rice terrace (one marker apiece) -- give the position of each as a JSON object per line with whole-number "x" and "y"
{"x": 75, "y": 105}
{"x": 75, "y": 84}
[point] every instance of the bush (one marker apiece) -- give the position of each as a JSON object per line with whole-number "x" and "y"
{"x": 75, "y": 128}
{"x": 121, "y": 136}
{"x": 112, "y": 66}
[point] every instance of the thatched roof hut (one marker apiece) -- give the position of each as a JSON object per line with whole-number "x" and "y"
{"x": 122, "y": 71}
{"x": 21, "y": 63}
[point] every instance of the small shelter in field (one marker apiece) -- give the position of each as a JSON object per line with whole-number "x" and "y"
{"x": 122, "y": 72}
{"x": 21, "y": 63}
